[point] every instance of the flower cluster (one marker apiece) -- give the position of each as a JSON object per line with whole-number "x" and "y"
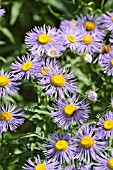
{"x": 76, "y": 144}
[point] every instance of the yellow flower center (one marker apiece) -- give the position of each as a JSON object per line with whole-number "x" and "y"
{"x": 53, "y": 53}
{"x": 61, "y": 145}
{"x": 105, "y": 49}
{"x": 26, "y": 66}
{"x": 87, "y": 39}
{"x": 71, "y": 38}
{"x": 69, "y": 110}
{"x": 44, "y": 71}
{"x": 58, "y": 80}
{"x": 110, "y": 163}
{"x": 108, "y": 124}
{"x": 112, "y": 18}
{"x": 44, "y": 38}
{"x": 87, "y": 142}
{"x": 5, "y": 116}
{"x": 40, "y": 167}
{"x": 4, "y": 81}
{"x": 90, "y": 26}
{"x": 112, "y": 61}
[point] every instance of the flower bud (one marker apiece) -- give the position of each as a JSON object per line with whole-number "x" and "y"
{"x": 88, "y": 58}
{"x": 92, "y": 95}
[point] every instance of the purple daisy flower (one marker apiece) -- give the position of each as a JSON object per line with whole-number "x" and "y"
{"x": 105, "y": 162}
{"x": 105, "y": 49}
{"x": 70, "y": 38}
{"x": 41, "y": 38}
{"x": 107, "y": 21}
{"x": 41, "y": 166}
{"x": 10, "y": 117}
{"x": 107, "y": 64}
{"x": 25, "y": 67}
{"x": 48, "y": 65}
{"x": 55, "y": 52}
{"x": 60, "y": 148}
{"x": 105, "y": 126}
{"x": 8, "y": 84}
{"x": 58, "y": 82}
{"x": 89, "y": 23}
{"x": 67, "y": 112}
{"x": 2, "y": 12}
{"x": 72, "y": 24}
{"x": 90, "y": 43}
{"x": 88, "y": 145}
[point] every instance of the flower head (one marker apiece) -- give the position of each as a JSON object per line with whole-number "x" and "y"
{"x": 71, "y": 24}
{"x": 105, "y": 126}
{"x": 89, "y": 23}
{"x": 107, "y": 21}
{"x": 88, "y": 145}
{"x": 25, "y": 67}
{"x": 10, "y": 117}
{"x": 70, "y": 38}
{"x": 104, "y": 162}
{"x": 8, "y": 84}
{"x": 105, "y": 49}
{"x": 90, "y": 43}
{"x": 48, "y": 65}
{"x": 107, "y": 64}
{"x": 57, "y": 81}
{"x": 66, "y": 113}
{"x": 55, "y": 51}
{"x": 41, "y": 38}
{"x": 60, "y": 148}
{"x": 38, "y": 165}
{"x": 2, "y": 12}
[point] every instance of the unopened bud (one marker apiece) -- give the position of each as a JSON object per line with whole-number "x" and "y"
{"x": 92, "y": 95}
{"x": 88, "y": 58}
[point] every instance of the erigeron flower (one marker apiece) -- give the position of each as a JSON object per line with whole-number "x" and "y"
{"x": 89, "y": 23}
{"x": 60, "y": 148}
{"x": 105, "y": 49}
{"x": 10, "y": 117}
{"x": 107, "y": 64}
{"x": 90, "y": 44}
{"x": 8, "y": 84}
{"x": 105, "y": 126}
{"x": 2, "y": 12}
{"x": 48, "y": 65}
{"x": 67, "y": 112}
{"x": 25, "y": 66}
{"x": 70, "y": 38}
{"x": 104, "y": 162}
{"x": 88, "y": 145}
{"x": 71, "y": 24}
{"x": 107, "y": 21}
{"x": 40, "y": 39}
{"x": 38, "y": 165}
{"x": 55, "y": 52}
{"x": 58, "y": 82}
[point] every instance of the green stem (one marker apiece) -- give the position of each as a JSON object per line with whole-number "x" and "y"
{"x": 36, "y": 90}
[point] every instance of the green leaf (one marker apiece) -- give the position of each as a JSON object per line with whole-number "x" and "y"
{"x": 15, "y": 10}
{"x": 7, "y": 33}
{"x": 3, "y": 59}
